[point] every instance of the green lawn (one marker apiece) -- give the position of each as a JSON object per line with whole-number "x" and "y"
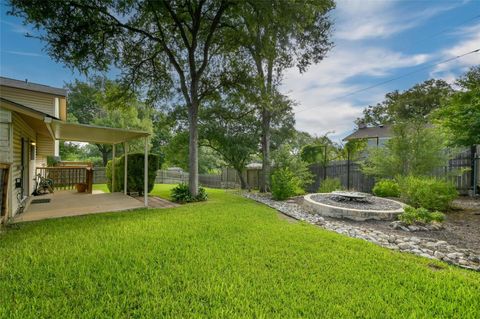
{"x": 228, "y": 257}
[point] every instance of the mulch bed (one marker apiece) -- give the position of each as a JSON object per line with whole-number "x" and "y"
{"x": 461, "y": 227}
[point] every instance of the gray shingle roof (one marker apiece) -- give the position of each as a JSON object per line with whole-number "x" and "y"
{"x": 370, "y": 132}
{"x": 32, "y": 86}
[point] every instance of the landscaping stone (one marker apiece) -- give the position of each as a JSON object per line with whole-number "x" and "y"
{"x": 399, "y": 225}
{"x": 425, "y": 247}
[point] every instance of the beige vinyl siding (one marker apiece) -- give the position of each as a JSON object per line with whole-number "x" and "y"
{"x": 20, "y": 130}
{"x": 5, "y": 136}
{"x": 42, "y": 102}
{"x": 45, "y": 146}
{"x": 40, "y": 161}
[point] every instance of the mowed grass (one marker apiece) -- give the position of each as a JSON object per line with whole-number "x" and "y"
{"x": 228, "y": 257}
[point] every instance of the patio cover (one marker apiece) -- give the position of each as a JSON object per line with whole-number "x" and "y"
{"x": 57, "y": 129}
{"x": 89, "y": 133}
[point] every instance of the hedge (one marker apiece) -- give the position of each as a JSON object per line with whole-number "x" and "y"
{"x": 135, "y": 175}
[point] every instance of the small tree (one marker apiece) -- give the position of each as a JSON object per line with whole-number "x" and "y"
{"x": 284, "y": 158}
{"x": 320, "y": 151}
{"x": 232, "y": 130}
{"x": 415, "y": 149}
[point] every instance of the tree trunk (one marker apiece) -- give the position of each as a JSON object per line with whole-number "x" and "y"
{"x": 265, "y": 177}
{"x": 243, "y": 183}
{"x": 105, "y": 151}
{"x": 193, "y": 149}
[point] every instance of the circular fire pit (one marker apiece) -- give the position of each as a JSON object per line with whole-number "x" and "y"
{"x": 352, "y": 205}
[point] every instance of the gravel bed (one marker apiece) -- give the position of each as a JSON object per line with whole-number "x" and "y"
{"x": 370, "y": 203}
{"x": 426, "y": 247}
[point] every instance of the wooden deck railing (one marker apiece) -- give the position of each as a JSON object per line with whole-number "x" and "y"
{"x": 68, "y": 177}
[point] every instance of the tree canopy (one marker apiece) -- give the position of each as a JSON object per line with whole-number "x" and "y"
{"x": 178, "y": 50}
{"x": 416, "y": 103}
{"x": 168, "y": 48}
{"x": 460, "y": 114}
{"x": 103, "y": 102}
{"x": 273, "y": 36}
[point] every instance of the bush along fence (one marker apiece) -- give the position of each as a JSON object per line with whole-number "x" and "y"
{"x": 135, "y": 170}
{"x": 458, "y": 170}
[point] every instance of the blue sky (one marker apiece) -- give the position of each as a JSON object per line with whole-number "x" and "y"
{"x": 375, "y": 40}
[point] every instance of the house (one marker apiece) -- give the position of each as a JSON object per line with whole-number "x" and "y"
{"x": 33, "y": 119}
{"x": 468, "y": 159}
{"x": 375, "y": 136}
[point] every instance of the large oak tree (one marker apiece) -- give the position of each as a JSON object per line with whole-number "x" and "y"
{"x": 170, "y": 48}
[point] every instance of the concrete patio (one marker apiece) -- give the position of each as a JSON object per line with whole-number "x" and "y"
{"x": 72, "y": 203}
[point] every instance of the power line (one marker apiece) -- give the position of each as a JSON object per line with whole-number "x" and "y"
{"x": 446, "y": 29}
{"x": 394, "y": 79}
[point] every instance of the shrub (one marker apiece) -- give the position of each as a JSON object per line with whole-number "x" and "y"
{"x": 284, "y": 184}
{"x": 386, "y": 188}
{"x": 135, "y": 178}
{"x": 329, "y": 185}
{"x": 422, "y": 215}
{"x": 283, "y": 157}
{"x": 181, "y": 194}
{"x": 428, "y": 192}
{"x": 53, "y": 161}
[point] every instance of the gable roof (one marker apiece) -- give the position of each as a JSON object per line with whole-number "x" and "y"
{"x": 370, "y": 132}
{"x": 25, "y": 85}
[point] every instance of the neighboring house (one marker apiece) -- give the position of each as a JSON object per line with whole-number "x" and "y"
{"x": 469, "y": 158}
{"x": 32, "y": 121}
{"x": 375, "y": 136}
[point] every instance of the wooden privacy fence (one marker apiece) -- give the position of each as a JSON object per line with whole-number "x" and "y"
{"x": 227, "y": 178}
{"x": 66, "y": 178}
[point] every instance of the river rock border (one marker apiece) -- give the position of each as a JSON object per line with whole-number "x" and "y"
{"x": 425, "y": 247}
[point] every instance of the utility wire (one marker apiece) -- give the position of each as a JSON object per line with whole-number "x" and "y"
{"x": 393, "y": 79}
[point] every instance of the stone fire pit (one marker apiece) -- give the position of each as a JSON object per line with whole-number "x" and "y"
{"x": 352, "y": 205}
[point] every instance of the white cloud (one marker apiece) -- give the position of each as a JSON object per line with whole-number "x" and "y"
{"x": 24, "y": 53}
{"x": 469, "y": 41}
{"x": 17, "y": 28}
{"x": 368, "y": 19}
{"x": 320, "y": 109}
{"x": 355, "y": 64}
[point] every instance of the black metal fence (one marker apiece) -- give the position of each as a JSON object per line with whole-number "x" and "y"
{"x": 349, "y": 174}
{"x": 458, "y": 170}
